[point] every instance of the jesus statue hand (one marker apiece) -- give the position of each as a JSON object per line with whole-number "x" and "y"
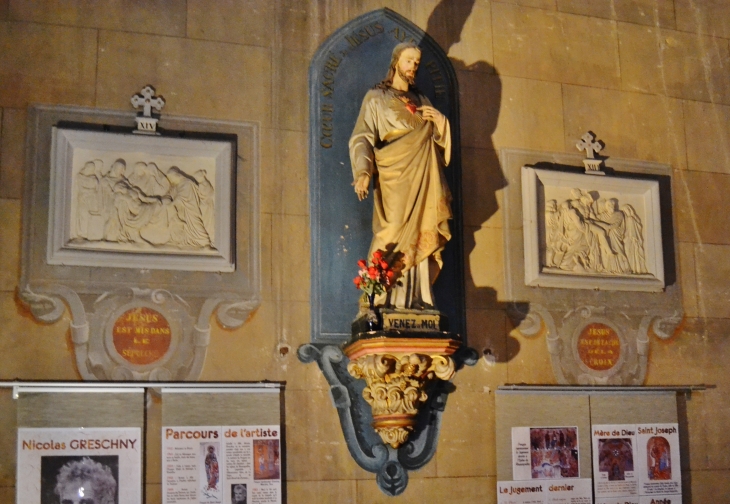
{"x": 362, "y": 184}
{"x": 437, "y": 118}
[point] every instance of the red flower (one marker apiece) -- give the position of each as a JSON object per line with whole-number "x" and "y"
{"x": 358, "y": 281}
{"x": 372, "y": 273}
{"x": 383, "y": 265}
{"x": 362, "y": 264}
{"x": 377, "y": 255}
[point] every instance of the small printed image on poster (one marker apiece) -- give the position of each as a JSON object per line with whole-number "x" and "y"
{"x": 80, "y": 465}
{"x": 659, "y": 459}
{"x": 66, "y": 478}
{"x": 545, "y": 453}
{"x": 267, "y": 465}
{"x": 614, "y": 458}
{"x": 239, "y": 493}
{"x": 210, "y": 476}
{"x": 221, "y": 465}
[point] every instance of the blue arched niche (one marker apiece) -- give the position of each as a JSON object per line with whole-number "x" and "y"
{"x": 350, "y": 62}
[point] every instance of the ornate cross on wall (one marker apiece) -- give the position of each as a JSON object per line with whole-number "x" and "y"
{"x": 592, "y": 147}
{"x": 146, "y": 99}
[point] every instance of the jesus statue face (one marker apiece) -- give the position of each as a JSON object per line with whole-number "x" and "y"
{"x": 408, "y": 65}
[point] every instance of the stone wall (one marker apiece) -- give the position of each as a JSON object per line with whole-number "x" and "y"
{"x": 649, "y": 76}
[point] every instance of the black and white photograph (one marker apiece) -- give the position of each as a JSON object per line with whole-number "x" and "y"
{"x": 79, "y": 479}
{"x": 239, "y": 493}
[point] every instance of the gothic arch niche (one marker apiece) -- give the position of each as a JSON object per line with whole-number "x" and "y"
{"x": 349, "y": 63}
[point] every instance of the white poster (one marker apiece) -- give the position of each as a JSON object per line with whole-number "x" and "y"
{"x": 79, "y": 465}
{"x": 545, "y": 453}
{"x": 614, "y": 455}
{"x": 636, "y": 464}
{"x": 575, "y": 491}
{"x": 221, "y": 465}
{"x": 658, "y": 450}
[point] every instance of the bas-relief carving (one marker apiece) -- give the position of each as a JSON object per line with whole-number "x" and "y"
{"x": 583, "y": 231}
{"x": 135, "y": 207}
{"x": 591, "y": 234}
{"x": 142, "y": 201}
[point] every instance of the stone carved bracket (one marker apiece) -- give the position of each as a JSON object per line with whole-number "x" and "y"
{"x": 391, "y": 465}
{"x": 98, "y": 357}
{"x": 563, "y": 341}
{"x": 395, "y": 389}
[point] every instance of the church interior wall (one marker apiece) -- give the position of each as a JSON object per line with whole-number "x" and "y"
{"x": 650, "y": 77}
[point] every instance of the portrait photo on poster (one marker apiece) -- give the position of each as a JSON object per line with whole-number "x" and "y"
{"x": 239, "y": 493}
{"x": 88, "y": 479}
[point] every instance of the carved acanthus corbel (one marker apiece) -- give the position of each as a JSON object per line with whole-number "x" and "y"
{"x": 396, "y": 388}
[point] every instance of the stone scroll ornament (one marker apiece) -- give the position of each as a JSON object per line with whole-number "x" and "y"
{"x": 389, "y": 369}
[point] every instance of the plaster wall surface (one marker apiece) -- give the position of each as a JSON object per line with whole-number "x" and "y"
{"x": 649, "y": 76}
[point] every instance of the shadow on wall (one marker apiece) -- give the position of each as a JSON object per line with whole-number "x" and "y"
{"x": 480, "y": 93}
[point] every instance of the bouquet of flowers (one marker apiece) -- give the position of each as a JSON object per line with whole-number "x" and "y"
{"x": 374, "y": 279}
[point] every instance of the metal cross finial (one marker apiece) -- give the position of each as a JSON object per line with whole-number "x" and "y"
{"x": 147, "y": 99}
{"x": 587, "y": 144}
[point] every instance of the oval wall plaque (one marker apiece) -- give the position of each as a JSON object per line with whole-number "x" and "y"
{"x": 599, "y": 347}
{"x": 141, "y": 336}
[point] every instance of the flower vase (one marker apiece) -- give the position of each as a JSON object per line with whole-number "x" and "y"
{"x": 372, "y": 317}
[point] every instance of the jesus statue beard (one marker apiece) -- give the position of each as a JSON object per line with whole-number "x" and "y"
{"x": 409, "y": 79}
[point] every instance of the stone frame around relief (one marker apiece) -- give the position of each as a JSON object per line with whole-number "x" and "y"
{"x": 540, "y": 186}
{"x": 72, "y": 149}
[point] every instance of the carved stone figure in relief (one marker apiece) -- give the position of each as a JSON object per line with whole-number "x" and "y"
{"x": 89, "y": 219}
{"x": 634, "y": 241}
{"x": 403, "y": 143}
{"x": 149, "y": 179}
{"x": 186, "y": 222}
{"x": 585, "y": 235}
{"x": 206, "y": 192}
{"x": 143, "y": 205}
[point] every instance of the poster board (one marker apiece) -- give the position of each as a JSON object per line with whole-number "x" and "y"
{"x": 222, "y": 448}
{"x": 637, "y": 430}
{"x": 64, "y": 432}
{"x": 64, "y": 464}
{"x": 543, "y": 455}
{"x": 636, "y": 419}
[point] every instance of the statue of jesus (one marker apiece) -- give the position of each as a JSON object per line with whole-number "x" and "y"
{"x": 402, "y": 143}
